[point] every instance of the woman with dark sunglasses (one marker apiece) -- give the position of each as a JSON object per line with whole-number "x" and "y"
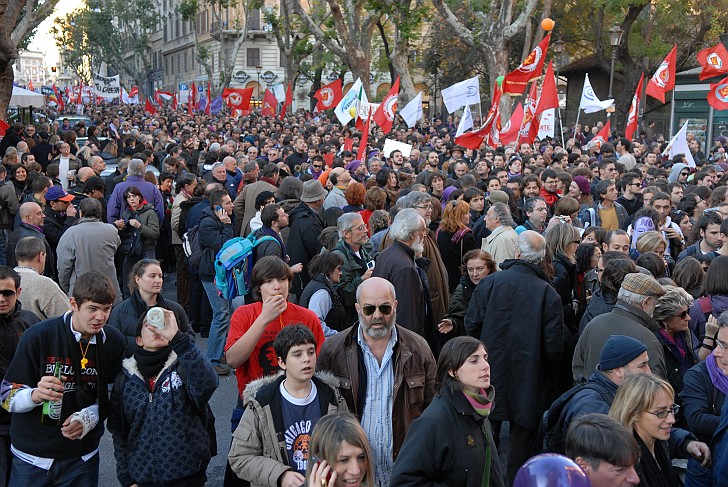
{"x": 679, "y": 344}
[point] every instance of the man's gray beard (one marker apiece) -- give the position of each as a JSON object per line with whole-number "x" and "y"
{"x": 418, "y": 247}
{"x": 379, "y": 333}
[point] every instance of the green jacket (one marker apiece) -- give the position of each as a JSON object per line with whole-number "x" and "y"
{"x": 351, "y": 276}
{"x": 146, "y": 215}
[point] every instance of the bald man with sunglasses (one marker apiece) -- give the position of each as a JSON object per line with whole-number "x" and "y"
{"x": 387, "y": 372}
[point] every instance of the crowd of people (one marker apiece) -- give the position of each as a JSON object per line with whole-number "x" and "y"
{"x": 407, "y": 310}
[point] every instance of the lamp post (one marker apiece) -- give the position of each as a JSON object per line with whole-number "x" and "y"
{"x": 615, "y": 39}
{"x": 258, "y": 69}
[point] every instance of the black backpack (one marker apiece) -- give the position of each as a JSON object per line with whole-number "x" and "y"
{"x": 551, "y": 432}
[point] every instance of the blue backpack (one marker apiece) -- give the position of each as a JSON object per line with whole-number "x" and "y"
{"x": 234, "y": 265}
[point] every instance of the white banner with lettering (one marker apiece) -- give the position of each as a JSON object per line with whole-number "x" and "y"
{"x": 107, "y": 87}
{"x": 548, "y": 123}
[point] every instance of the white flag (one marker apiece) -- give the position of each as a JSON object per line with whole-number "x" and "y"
{"x": 466, "y": 122}
{"x": 412, "y": 112}
{"x": 461, "y": 94}
{"x": 279, "y": 91}
{"x": 349, "y": 106}
{"x": 107, "y": 86}
{"x": 547, "y": 123}
{"x": 589, "y": 101}
{"x": 679, "y": 145}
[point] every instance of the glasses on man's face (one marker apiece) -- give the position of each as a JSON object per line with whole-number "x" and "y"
{"x": 425, "y": 207}
{"x": 369, "y": 309}
{"x": 721, "y": 344}
{"x": 685, "y": 174}
{"x": 665, "y": 412}
{"x": 317, "y": 167}
{"x": 360, "y": 228}
{"x": 7, "y": 293}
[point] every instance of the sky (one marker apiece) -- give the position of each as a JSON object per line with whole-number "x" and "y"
{"x": 43, "y": 40}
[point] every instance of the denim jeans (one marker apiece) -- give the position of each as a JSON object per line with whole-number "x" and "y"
{"x": 63, "y": 473}
{"x": 221, "y": 312}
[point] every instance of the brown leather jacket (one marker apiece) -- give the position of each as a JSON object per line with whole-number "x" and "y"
{"x": 414, "y": 375}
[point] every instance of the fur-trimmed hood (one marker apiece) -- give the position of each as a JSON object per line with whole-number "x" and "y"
{"x": 130, "y": 365}
{"x": 252, "y": 389}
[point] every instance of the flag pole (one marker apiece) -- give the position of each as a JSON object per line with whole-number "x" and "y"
{"x": 561, "y": 127}
{"x": 525, "y": 110}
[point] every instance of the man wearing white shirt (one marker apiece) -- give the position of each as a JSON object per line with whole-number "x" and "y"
{"x": 66, "y": 162}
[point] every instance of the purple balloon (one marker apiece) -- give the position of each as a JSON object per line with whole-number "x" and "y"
{"x": 550, "y": 470}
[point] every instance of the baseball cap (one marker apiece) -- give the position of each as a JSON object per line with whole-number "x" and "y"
{"x": 57, "y": 193}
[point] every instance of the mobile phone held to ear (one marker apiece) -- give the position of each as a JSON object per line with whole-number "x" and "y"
{"x": 317, "y": 459}
{"x": 218, "y": 208}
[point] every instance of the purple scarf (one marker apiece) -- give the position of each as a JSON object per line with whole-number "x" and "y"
{"x": 717, "y": 377}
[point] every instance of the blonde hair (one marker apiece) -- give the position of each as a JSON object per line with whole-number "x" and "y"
{"x": 328, "y": 435}
{"x": 452, "y": 219}
{"x": 651, "y": 242}
{"x": 559, "y": 237}
{"x": 636, "y": 395}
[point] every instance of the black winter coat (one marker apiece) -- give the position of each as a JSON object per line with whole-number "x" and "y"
{"x": 26, "y": 230}
{"x": 564, "y": 282}
{"x": 599, "y": 304}
{"x": 702, "y": 402}
{"x": 303, "y": 242}
{"x": 452, "y": 253}
{"x": 12, "y": 326}
{"x": 445, "y": 447}
{"x": 54, "y": 226}
{"x": 517, "y": 314}
{"x": 213, "y": 235}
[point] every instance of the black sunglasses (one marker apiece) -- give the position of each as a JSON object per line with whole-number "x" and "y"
{"x": 369, "y": 309}
{"x": 7, "y": 292}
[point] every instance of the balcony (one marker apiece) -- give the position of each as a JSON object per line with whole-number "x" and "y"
{"x": 178, "y": 43}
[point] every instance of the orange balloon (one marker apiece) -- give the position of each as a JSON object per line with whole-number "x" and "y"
{"x": 547, "y": 24}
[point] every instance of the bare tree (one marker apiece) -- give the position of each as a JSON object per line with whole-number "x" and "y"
{"x": 18, "y": 20}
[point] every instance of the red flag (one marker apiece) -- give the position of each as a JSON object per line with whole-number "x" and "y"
{"x": 3, "y": 127}
{"x": 158, "y": 98}
{"x": 474, "y": 139}
{"x": 603, "y": 136}
{"x": 238, "y": 99}
{"x": 287, "y": 103}
{"x": 30, "y": 85}
{"x": 209, "y": 99}
{"x": 718, "y": 95}
{"x": 148, "y": 107}
{"x": 192, "y": 99}
{"x": 329, "y": 95}
{"x": 631, "y": 127}
{"x": 509, "y": 133}
{"x": 269, "y": 104}
{"x": 133, "y": 92}
{"x": 664, "y": 78}
{"x": 384, "y": 115}
{"x": 549, "y": 96}
{"x": 174, "y": 101}
{"x": 515, "y": 82}
{"x": 364, "y": 139}
{"x": 714, "y": 61}
{"x": 348, "y": 143}
{"x": 59, "y": 98}
{"x": 529, "y": 126}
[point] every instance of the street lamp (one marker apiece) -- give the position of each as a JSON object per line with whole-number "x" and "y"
{"x": 615, "y": 39}
{"x": 258, "y": 69}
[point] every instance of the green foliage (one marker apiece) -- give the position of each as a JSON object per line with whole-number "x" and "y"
{"x": 188, "y": 9}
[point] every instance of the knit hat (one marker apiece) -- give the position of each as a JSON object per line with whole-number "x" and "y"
{"x": 583, "y": 184}
{"x": 353, "y": 165}
{"x": 643, "y": 284}
{"x": 498, "y": 196}
{"x": 313, "y": 191}
{"x": 618, "y": 351}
